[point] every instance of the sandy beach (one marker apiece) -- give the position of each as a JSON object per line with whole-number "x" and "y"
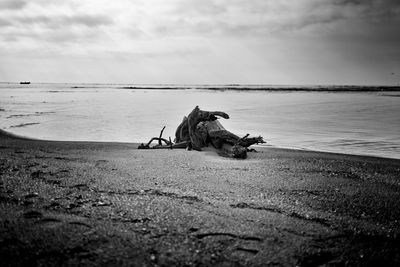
{"x": 108, "y": 204}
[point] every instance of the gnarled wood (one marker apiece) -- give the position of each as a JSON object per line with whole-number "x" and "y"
{"x": 187, "y": 130}
{"x": 228, "y": 143}
{"x": 200, "y": 129}
{"x": 159, "y": 139}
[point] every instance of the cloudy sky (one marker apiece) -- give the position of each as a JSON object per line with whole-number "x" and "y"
{"x": 201, "y": 41}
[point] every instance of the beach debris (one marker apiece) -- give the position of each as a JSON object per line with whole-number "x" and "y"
{"x": 200, "y": 129}
{"x": 31, "y": 195}
{"x": 102, "y": 203}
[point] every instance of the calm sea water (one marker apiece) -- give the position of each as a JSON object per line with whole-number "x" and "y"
{"x": 365, "y": 123}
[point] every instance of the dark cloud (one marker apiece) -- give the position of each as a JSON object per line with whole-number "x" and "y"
{"x": 65, "y": 21}
{"x": 366, "y": 2}
{"x": 315, "y": 19}
{"x": 89, "y": 21}
{"x": 349, "y": 2}
{"x": 59, "y": 23}
{"x": 12, "y": 4}
{"x": 53, "y": 29}
{"x": 357, "y": 19}
{"x": 4, "y": 23}
{"x": 371, "y": 8}
{"x": 346, "y": 20}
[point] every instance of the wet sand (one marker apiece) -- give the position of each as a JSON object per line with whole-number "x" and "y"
{"x": 108, "y": 204}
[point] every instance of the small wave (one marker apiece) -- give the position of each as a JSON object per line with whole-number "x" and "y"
{"x": 44, "y": 112}
{"x": 390, "y": 95}
{"x": 38, "y": 113}
{"x": 364, "y": 143}
{"x": 2, "y": 109}
{"x": 19, "y": 116}
{"x": 66, "y": 91}
{"x": 152, "y": 88}
{"x": 24, "y": 124}
{"x": 333, "y": 88}
{"x": 78, "y": 87}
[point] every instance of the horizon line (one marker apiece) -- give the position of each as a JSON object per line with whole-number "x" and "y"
{"x": 209, "y": 84}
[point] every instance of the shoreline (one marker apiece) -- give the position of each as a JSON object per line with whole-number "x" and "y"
{"x": 95, "y": 203}
{"x": 333, "y": 89}
{"x": 4, "y": 133}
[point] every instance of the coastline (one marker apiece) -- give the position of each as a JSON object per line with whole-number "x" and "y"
{"x": 318, "y": 88}
{"x": 5, "y": 133}
{"x": 95, "y": 203}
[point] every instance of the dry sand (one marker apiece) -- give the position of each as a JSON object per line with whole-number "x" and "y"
{"x": 107, "y": 204}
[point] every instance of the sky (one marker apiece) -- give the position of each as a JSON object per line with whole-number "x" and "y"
{"x": 287, "y": 42}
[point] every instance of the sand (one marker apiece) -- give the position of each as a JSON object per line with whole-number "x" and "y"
{"x": 108, "y": 204}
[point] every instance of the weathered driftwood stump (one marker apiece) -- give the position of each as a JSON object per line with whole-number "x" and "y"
{"x": 201, "y": 129}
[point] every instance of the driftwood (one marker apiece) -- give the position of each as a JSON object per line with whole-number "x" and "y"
{"x": 201, "y": 129}
{"x": 168, "y": 143}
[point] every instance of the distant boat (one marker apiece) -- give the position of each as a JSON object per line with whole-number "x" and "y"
{"x": 24, "y": 82}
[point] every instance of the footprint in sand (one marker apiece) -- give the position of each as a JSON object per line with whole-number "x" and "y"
{"x": 33, "y": 214}
{"x": 80, "y": 224}
{"x": 48, "y": 222}
{"x": 31, "y": 195}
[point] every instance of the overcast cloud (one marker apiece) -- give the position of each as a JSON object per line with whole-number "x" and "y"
{"x": 201, "y": 41}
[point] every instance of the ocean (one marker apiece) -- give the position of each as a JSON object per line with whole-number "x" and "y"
{"x": 351, "y": 120}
